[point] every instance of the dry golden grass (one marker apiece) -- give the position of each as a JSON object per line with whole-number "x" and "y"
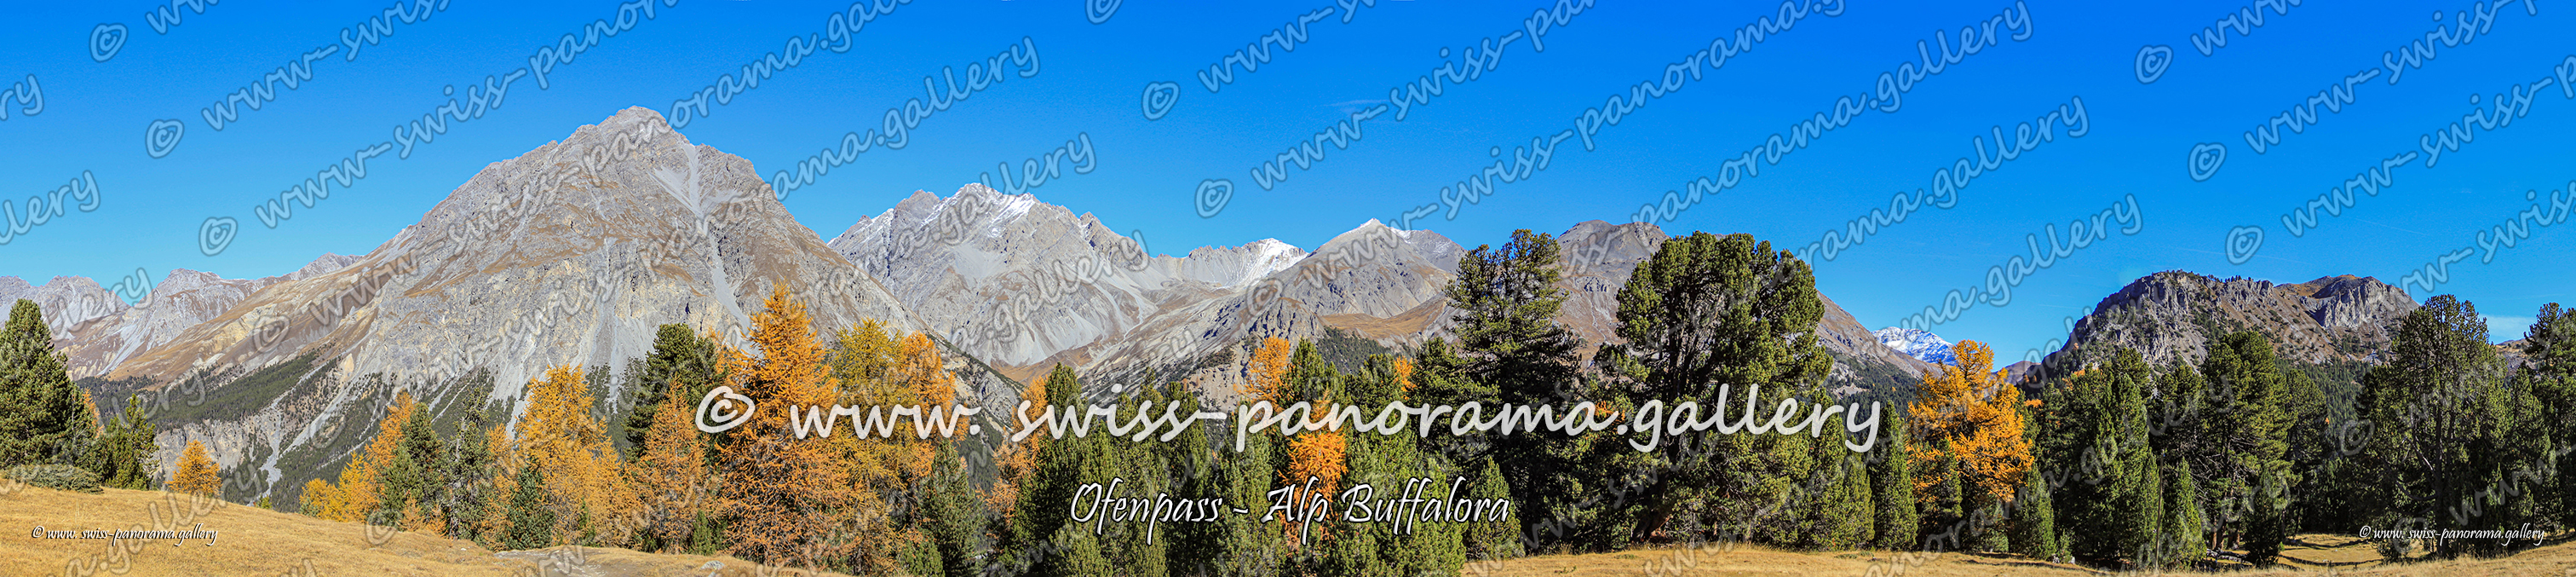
{"x": 254, "y": 541}
{"x": 2309, "y": 555}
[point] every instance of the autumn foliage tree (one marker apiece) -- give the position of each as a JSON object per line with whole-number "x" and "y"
{"x": 1977, "y": 414}
{"x": 784, "y": 495}
{"x": 670, "y": 475}
{"x": 559, "y": 436}
{"x": 357, "y": 494}
{"x": 197, "y": 473}
{"x": 1313, "y": 455}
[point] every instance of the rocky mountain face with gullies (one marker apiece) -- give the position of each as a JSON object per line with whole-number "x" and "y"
{"x": 1026, "y": 285}
{"x": 571, "y": 254}
{"x": 67, "y": 301}
{"x": 2172, "y": 315}
{"x": 181, "y": 300}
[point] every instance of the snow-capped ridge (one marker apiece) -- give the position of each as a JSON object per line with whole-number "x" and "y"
{"x": 1918, "y": 343}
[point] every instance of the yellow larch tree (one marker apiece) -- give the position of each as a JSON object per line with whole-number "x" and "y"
{"x": 197, "y": 474}
{"x": 670, "y": 474}
{"x": 507, "y": 461}
{"x": 786, "y": 497}
{"x": 355, "y": 495}
{"x": 1268, "y": 366}
{"x": 560, "y": 437}
{"x": 1016, "y": 461}
{"x": 1979, "y": 414}
{"x": 1404, "y": 373}
{"x": 1321, "y": 455}
{"x": 871, "y": 368}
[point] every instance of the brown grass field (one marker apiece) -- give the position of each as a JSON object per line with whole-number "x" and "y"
{"x": 253, "y": 541}
{"x": 2308, "y": 555}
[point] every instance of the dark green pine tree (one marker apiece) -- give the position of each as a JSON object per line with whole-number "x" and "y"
{"x": 955, "y": 516}
{"x": 1707, "y": 314}
{"x": 2312, "y": 446}
{"x": 2142, "y": 494}
{"x": 532, "y": 523}
{"x": 1041, "y": 531}
{"x": 412, "y": 476}
{"x": 2446, "y": 427}
{"x": 2181, "y": 540}
{"x": 1244, "y": 544}
{"x": 2245, "y": 445}
{"x": 1511, "y": 349}
{"x": 47, "y": 420}
{"x": 2549, "y": 372}
{"x": 2109, "y": 494}
{"x": 1147, "y": 473}
{"x": 1835, "y": 511}
{"x": 123, "y": 454}
{"x": 1892, "y": 487}
{"x": 678, "y": 355}
{"x": 1195, "y": 547}
{"x": 1387, "y": 463}
{"x": 2034, "y": 521}
{"x": 466, "y": 467}
{"x": 1943, "y": 516}
{"x": 1496, "y": 539}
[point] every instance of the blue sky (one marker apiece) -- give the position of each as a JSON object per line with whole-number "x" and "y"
{"x": 1091, "y": 80}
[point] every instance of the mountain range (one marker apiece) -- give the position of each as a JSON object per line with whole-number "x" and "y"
{"x": 573, "y": 253}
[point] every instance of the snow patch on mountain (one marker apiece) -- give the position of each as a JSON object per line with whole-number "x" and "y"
{"x": 1917, "y": 343}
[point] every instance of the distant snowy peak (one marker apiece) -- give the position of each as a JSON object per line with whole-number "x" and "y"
{"x": 1237, "y": 265}
{"x": 1917, "y": 343}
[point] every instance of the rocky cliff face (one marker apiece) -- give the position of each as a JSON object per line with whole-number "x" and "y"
{"x": 181, "y": 300}
{"x": 1026, "y": 285}
{"x": 571, "y": 254}
{"x": 2172, "y": 315}
{"x": 1007, "y": 278}
{"x": 67, "y": 301}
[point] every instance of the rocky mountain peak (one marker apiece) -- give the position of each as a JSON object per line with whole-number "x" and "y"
{"x": 1918, "y": 343}
{"x": 2171, "y": 315}
{"x": 67, "y": 301}
{"x": 572, "y": 253}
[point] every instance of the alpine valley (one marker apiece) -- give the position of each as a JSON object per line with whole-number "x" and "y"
{"x": 575, "y": 252}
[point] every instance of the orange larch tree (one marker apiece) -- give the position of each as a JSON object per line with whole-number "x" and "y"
{"x": 1979, "y": 415}
{"x": 559, "y": 435}
{"x": 670, "y": 473}
{"x": 786, "y": 497}
{"x": 197, "y": 474}
{"x": 356, "y": 495}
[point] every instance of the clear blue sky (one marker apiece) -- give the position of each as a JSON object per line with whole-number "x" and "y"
{"x": 1092, "y": 77}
